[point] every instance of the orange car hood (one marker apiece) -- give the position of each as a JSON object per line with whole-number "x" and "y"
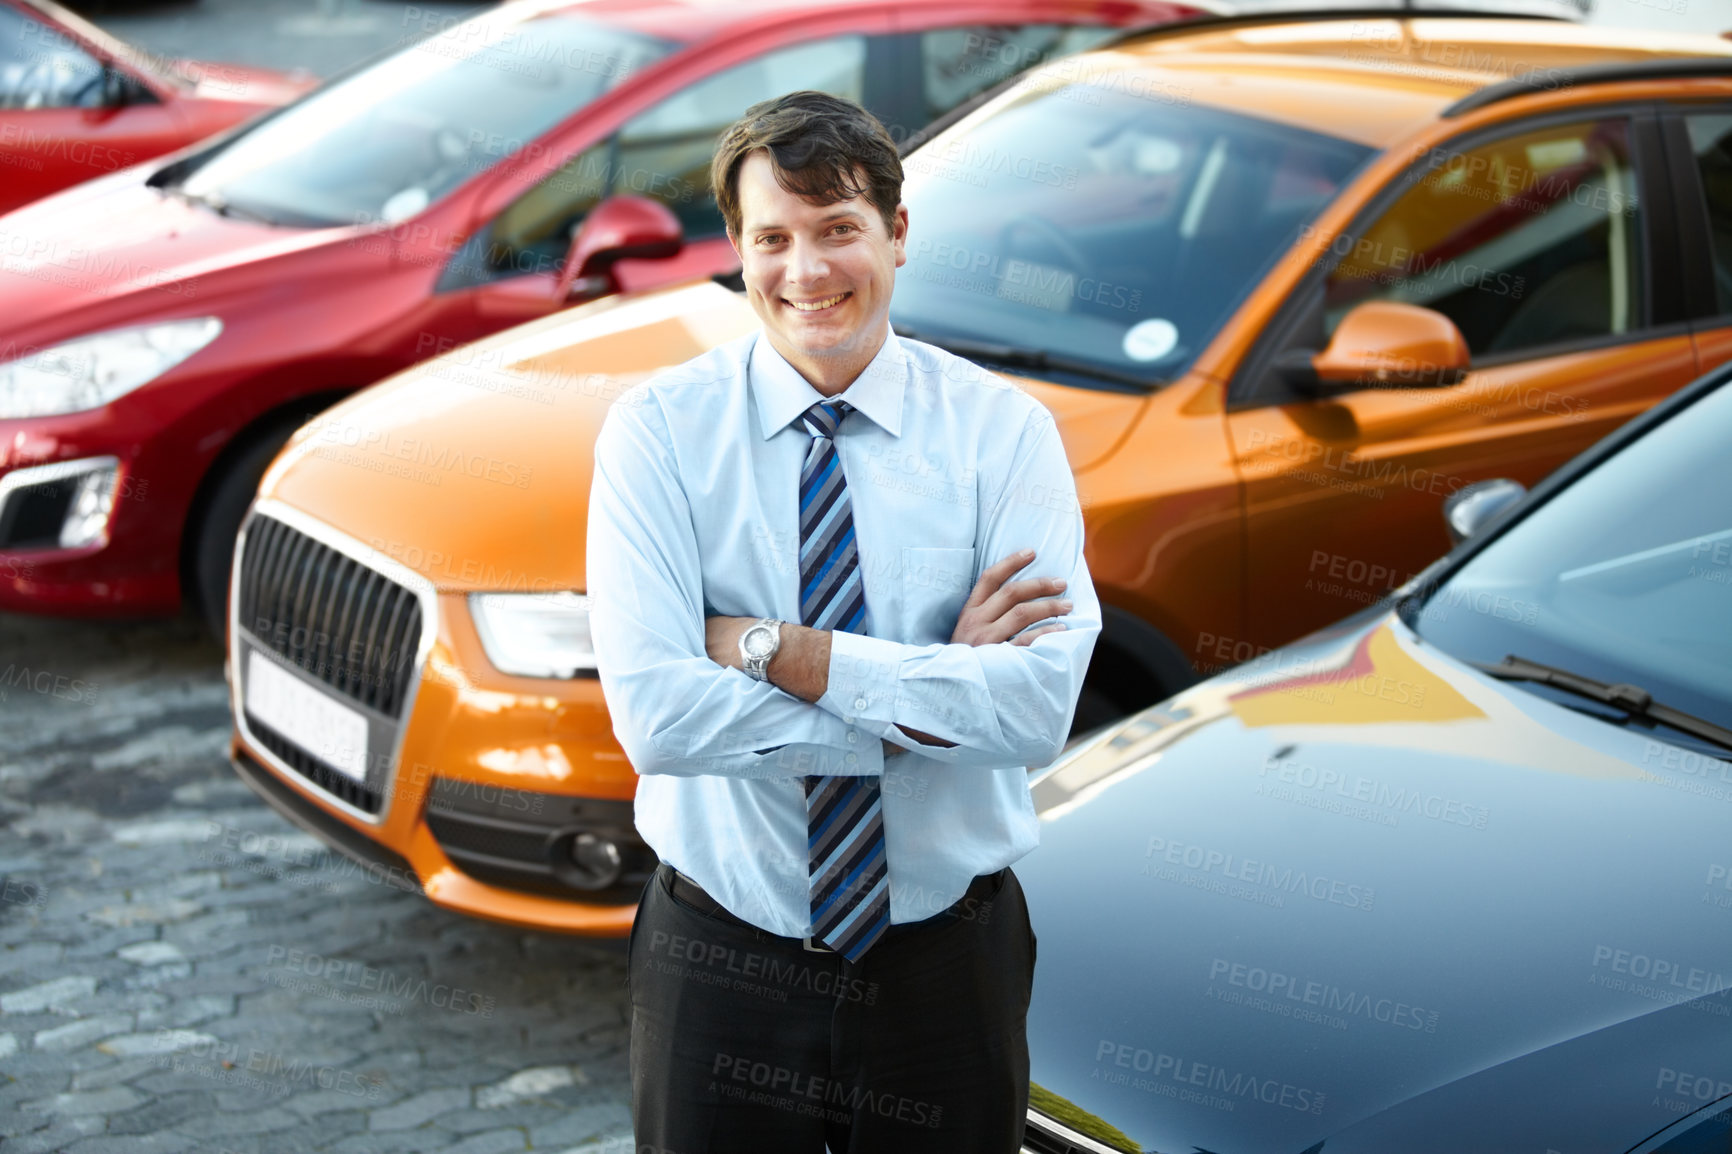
{"x": 473, "y": 468}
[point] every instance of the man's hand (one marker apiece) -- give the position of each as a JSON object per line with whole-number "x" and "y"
{"x": 996, "y": 611}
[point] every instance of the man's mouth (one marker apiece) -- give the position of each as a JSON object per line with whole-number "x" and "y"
{"x": 819, "y": 305}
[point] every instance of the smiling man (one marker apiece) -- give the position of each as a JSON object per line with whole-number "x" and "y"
{"x": 832, "y": 697}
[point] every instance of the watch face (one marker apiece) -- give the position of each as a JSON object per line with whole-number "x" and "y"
{"x": 757, "y": 641}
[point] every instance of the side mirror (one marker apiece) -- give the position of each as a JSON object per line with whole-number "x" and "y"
{"x": 618, "y": 228}
{"x": 118, "y": 89}
{"x": 1471, "y": 508}
{"x": 1383, "y": 345}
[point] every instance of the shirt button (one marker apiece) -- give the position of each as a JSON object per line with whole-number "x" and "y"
{"x": 860, "y": 703}
{"x": 850, "y": 759}
{"x": 852, "y": 737}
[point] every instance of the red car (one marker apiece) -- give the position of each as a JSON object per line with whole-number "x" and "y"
{"x": 76, "y": 103}
{"x": 162, "y": 330}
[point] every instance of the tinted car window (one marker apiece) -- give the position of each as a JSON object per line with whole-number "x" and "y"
{"x": 1529, "y": 241}
{"x": 957, "y": 63}
{"x": 388, "y": 141}
{"x": 1625, "y": 576}
{"x": 664, "y": 153}
{"x": 1100, "y": 224}
{"x": 41, "y": 68}
{"x": 1711, "y": 136}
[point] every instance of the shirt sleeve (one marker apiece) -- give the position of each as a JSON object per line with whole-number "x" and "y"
{"x": 999, "y": 703}
{"x": 674, "y": 710}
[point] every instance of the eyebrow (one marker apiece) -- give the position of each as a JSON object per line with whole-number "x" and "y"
{"x": 840, "y": 214}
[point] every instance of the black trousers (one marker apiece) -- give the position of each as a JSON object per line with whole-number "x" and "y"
{"x": 743, "y": 1042}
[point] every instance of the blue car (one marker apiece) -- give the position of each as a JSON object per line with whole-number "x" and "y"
{"x": 1452, "y": 876}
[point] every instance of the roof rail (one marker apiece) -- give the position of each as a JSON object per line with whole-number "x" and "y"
{"x": 1551, "y": 79}
{"x": 1300, "y": 16}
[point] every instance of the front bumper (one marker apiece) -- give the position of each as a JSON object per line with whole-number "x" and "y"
{"x": 502, "y": 797}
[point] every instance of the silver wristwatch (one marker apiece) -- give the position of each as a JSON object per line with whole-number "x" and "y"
{"x": 758, "y": 644}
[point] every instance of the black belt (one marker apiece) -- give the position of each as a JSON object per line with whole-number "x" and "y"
{"x": 691, "y": 893}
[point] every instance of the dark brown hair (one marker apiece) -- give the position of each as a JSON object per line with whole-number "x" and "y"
{"x": 822, "y": 149}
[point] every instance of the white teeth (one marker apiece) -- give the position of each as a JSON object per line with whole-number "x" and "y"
{"x": 816, "y": 305}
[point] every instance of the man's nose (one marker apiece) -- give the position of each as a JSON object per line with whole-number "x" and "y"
{"x": 807, "y": 263}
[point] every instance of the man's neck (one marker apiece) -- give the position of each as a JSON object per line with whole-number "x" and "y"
{"x": 831, "y": 375}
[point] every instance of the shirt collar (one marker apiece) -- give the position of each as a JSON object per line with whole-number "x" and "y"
{"x": 783, "y": 394}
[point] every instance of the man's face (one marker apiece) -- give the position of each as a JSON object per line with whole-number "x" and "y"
{"x": 818, "y": 276}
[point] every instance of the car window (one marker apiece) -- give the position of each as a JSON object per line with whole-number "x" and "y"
{"x": 42, "y": 68}
{"x": 664, "y": 153}
{"x": 1101, "y": 223}
{"x": 386, "y": 142}
{"x": 957, "y": 63}
{"x": 1529, "y": 241}
{"x": 1711, "y": 137}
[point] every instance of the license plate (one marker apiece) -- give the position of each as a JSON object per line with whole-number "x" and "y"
{"x": 327, "y": 729}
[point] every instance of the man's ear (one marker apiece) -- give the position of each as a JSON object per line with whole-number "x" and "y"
{"x": 734, "y": 243}
{"x": 899, "y": 235}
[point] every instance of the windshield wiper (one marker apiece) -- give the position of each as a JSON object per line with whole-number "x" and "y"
{"x": 1633, "y": 700}
{"x": 215, "y": 202}
{"x": 1011, "y": 356}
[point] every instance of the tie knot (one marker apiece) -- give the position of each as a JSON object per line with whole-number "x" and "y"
{"x": 823, "y": 418}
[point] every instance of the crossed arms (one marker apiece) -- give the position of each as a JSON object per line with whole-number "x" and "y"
{"x": 835, "y": 702}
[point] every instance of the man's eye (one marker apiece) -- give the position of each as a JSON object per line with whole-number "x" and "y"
{"x": 841, "y": 228}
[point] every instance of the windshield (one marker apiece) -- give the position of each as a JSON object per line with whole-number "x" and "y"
{"x": 1624, "y": 576}
{"x": 388, "y": 141}
{"x": 1100, "y": 225}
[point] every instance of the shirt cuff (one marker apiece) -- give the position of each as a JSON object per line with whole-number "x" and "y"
{"x": 864, "y": 677}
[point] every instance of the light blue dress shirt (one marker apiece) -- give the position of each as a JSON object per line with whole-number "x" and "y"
{"x": 694, "y": 511}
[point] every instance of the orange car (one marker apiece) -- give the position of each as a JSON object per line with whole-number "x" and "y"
{"x": 1286, "y": 284}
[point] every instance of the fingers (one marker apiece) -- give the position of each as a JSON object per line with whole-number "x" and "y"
{"x": 995, "y": 575}
{"x": 1025, "y": 638}
{"x": 1017, "y": 592}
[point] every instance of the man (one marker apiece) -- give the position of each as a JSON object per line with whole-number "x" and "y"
{"x": 832, "y": 700}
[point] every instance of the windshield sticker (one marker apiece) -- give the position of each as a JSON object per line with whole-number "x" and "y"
{"x": 404, "y": 205}
{"x": 1150, "y": 340}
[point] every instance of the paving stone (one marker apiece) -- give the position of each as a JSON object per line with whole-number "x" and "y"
{"x": 400, "y": 1142}
{"x": 492, "y": 1142}
{"x": 583, "y": 1124}
{"x": 419, "y": 1109}
{"x": 187, "y": 1012}
{"x": 113, "y": 1074}
{"x": 162, "y": 1113}
{"x": 8, "y": 1045}
{"x": 225, "y": 1124}
{"x": 16, "y": 1122}
{"x": 82, "y": 1033}
{"x": 152, "y": 953}
{"x": 112, "y": 1100}
{"x": 62, "y": 1133}
{"x": 35, "y": 953}
{"x": 155, "y": 1042}
{"x": 133, "y": 1144}
{"x": 530, "y": 1083}
{"x": 57, "y": 992}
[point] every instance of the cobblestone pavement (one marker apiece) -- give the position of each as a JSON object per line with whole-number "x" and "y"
{"x": 180, "y": 969}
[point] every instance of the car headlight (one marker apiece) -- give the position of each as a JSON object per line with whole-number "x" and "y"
{"x": 92, "y": 371}
{"x": 535, "y": 634}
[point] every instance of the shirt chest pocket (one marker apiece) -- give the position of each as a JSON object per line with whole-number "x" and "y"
{"x": 931, "y": 589}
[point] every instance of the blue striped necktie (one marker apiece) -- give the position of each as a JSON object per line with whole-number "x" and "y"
{"x": 844, "y": 819}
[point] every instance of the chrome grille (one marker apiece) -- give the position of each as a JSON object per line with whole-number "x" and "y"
{"x": 329, "y": 615}
{"x": 347, "y": 625}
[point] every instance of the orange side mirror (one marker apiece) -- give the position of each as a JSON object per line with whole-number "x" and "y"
{"x": 1386, "y": 344}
